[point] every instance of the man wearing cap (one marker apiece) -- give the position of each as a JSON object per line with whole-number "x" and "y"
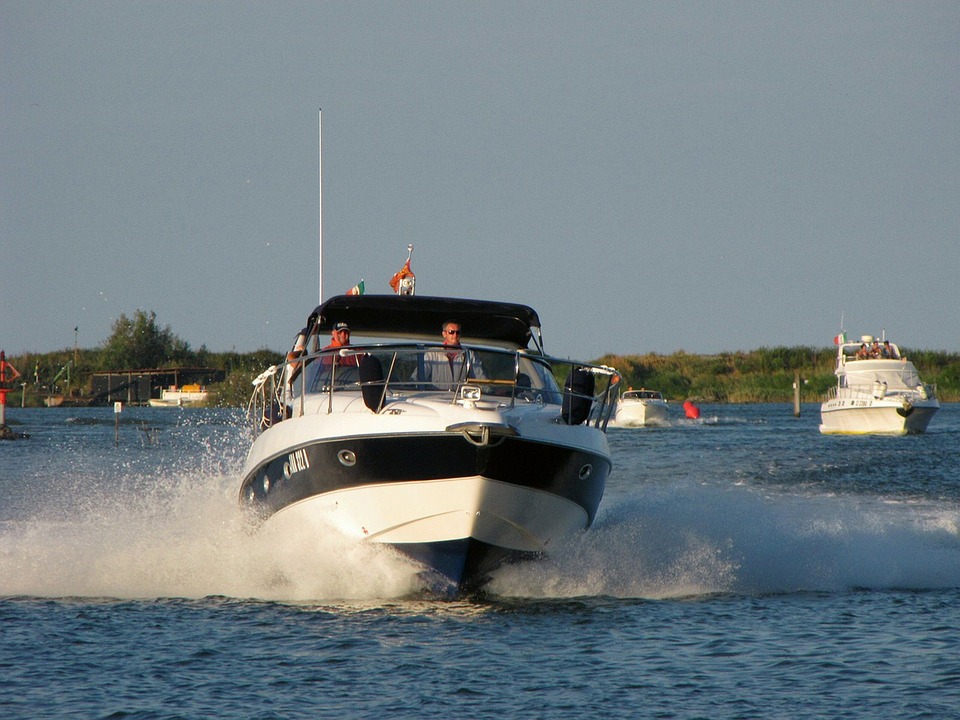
{"x": 340, "y": 337}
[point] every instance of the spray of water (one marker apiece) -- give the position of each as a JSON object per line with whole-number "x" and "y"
{"x": 684, "y": 539}
{"x": 184, "y": 536}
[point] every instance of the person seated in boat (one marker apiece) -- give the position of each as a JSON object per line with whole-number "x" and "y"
{"x": 319, "y": 374}
{"x": 445, "y": 367}
{"x": 863, "y": 352}
{"x": 875, "y": 351}
{"x": 340, "y": 337}
{"x": 886, "y": 351}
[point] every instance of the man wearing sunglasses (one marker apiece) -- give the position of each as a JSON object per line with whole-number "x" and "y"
{"x": 445, "y": 367}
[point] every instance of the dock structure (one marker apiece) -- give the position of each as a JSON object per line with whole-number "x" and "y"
{"x": 137, "y": 387}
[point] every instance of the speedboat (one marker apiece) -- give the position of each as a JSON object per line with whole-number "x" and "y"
{"x": 498, "y": 465}
{"x": 637, "y": 408}
{"x": 878, "y": 392}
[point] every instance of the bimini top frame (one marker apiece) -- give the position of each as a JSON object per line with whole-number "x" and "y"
{"x": 421, "y": 317}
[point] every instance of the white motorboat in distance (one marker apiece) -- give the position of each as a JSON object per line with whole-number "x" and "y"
{"x": 639, "y": 408}
{"x": 498, "y": 465}
{"x": 878, "y": 392}
{"x": 180, "y": 396}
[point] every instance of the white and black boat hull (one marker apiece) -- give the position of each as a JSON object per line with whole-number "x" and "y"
{"x": 457, "y": 506}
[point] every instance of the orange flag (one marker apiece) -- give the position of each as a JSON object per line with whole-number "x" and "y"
{"x": 403, "y": 280}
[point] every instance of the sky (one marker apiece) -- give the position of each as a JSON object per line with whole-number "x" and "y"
{"x": 649, "y": 176}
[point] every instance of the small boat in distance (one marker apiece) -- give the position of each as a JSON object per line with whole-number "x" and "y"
{"x": 486, "y": 462}
{"x": 878, "y": 391}
{"x": 640, "y": 408}
{"x": 174, "y": 396}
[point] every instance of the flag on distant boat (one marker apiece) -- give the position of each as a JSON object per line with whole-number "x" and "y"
{"x": 356, "y": 289}
{"x": 840, "y": 339}
{"x": 404, "y": 281}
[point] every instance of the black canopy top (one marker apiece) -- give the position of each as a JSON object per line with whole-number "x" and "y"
{"x": 421, "y": 316}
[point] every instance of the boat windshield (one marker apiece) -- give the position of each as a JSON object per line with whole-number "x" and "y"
{"x": 642, "y": 395}
{"x": 387, "y": 373}
{"x": 419, "y": 368}
{"x": 903, "y": 378}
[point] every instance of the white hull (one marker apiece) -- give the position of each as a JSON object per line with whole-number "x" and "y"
{"x": 427, "y": 511}
{"x": 514, "y": 482}
{"x": 179, "y": 399}
{"x": 868, "y": 415}
{"x": 640, "y": 414}
{"x": 639, "y": 408}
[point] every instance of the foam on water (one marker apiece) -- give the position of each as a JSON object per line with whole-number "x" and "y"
{"x": 685, "y": 539}
{"x": 184, "y": 536}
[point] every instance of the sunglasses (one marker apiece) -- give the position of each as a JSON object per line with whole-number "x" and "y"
{"x": 452, "y": 332}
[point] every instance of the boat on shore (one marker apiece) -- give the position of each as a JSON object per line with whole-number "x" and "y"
{"x": 184, "y": 395}
{"x": 878, "y": 391}
{"x": 497, "y": 465}
{"x": 641, "y": 408}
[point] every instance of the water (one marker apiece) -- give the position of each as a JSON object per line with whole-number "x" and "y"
{"x": 742, "y": 566}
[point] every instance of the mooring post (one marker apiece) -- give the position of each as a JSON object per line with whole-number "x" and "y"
{"x": 117, "y": 407}
{"x": 796, "y": 394}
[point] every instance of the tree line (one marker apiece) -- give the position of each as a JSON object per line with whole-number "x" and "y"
{"x": 137, "y": 343}
{"x": 762, "y": 375}
{"x": 766, "y": 374}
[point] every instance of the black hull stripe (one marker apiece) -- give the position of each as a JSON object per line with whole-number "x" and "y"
{"x": 339, "y": 464}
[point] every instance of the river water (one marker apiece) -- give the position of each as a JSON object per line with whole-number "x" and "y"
{"x": 741, "y": 566}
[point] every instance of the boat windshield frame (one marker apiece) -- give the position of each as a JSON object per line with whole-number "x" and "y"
{"x": 507, "y": 377}
{"x": 642, "y": 395}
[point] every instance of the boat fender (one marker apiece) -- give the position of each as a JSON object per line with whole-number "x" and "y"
{"x": 691, "y": 411}
{"x": 371, "y": 382}
{"x": 879, "y": 389}
{"x": 577, "y": 396}
{"x": 906, "y": 410}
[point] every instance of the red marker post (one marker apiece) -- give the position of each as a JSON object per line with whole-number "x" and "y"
{"x": 8, "y": 373}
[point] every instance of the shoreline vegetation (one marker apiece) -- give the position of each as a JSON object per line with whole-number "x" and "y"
{"x": 765, "y": 375}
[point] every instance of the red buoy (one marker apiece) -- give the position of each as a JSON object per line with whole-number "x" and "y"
{"x": 691, "y": 410}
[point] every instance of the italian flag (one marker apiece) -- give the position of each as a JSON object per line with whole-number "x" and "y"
{"x": 356, "y": 289}
{"x": 840, "y": 339}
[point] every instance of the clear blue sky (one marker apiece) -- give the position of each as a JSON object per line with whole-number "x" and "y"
{"x": 650, "y": 176}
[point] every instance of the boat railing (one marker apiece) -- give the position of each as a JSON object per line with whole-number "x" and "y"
{"x": 879, "y": 390}
{"x": 385, "y": 372}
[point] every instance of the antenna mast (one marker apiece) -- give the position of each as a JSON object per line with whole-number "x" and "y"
{"x": 320, "y": 190}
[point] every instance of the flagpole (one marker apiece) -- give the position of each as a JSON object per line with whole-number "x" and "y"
{"x": 320, "y": 191}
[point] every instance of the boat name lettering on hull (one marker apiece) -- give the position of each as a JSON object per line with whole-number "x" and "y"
{"x": 296, "y": 461}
